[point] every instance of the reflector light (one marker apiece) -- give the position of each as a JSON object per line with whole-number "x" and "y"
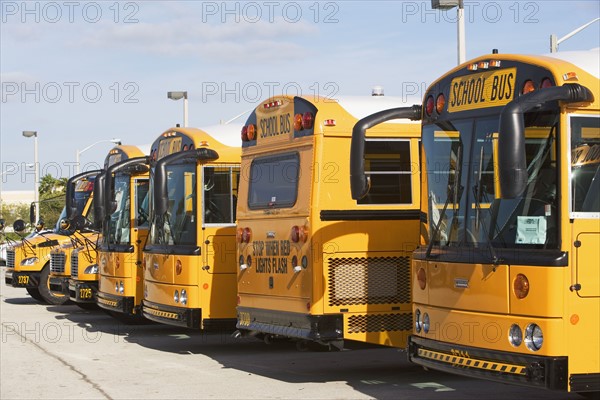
{"x": 272, "y": 104}
{"x": 245, "y": 133}
{"x": 521, "y": 286}
{"x": 472, "y": 67}
{"x": 422, "y": 278}
{"x": 528, "y": 86}
{"x": 298, "y": 122}
{"x": 251, "y": 132}
{"x": 483, "y": 65}
{"x": 185, "y": 147}
{"x": 570, "y": 76}
{"x": 178, "y": 267}
{"x": 298, "y": 234}
{"x": 495, "y": 63}
{"x": 429, "y": 105}
{"x": 329, "y": 122}
{"x": 307, "y": 120}
{"x": 440, "y": 102}
{"x": 546, "y": 83}
{"x": 203, "y": 143}
{"x": 246, "y": 235}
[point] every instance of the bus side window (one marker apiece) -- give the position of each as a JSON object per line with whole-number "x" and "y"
{"x": 219, "y": 198}
{"x": 388, "y": 165}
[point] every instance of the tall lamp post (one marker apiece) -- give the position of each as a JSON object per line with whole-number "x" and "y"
{"x": 460, "y": 23}
{"x": 178, "y": 96}
{"x": 36, "y": 166}
{"x": 555, "y": 41}
{"x": 78, "y": 152}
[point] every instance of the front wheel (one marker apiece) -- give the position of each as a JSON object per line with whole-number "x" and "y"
{"x": 35, "y": 293}
{"x": 44, "y": 288}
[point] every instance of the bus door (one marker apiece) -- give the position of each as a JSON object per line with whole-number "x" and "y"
{"x": 219, "y": 264}
{"x": 585, "y": 204}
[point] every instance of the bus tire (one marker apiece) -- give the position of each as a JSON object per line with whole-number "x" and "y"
{"x": 35, "y": 293}
{"x": 44, "y": 289}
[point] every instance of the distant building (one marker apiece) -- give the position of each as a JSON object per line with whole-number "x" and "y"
{"x": 17, "y": 196}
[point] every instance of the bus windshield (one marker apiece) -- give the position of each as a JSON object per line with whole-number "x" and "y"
{"x": 179, "y": 225}
{"x": 117, "y": 230}
{"x": 464, "y": 207}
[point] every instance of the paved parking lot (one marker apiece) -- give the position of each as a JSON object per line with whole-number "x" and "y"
{"x": 50, "y": 352}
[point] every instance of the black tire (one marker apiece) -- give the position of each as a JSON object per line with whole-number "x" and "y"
{"x": 35, "y": 293}
{"x": 44, "y": 289}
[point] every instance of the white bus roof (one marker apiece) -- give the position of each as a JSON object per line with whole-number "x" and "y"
{"x": 363, "y": 106}
{"x": 588, "y": 60}
{"x": 228, "y": 134}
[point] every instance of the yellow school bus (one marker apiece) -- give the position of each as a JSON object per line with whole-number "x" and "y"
{"x": 111, "y": 273}
{"x": 508, "y": 286}
{"x": 315, "y": 266}
{"x": 189, "y": 259}
{"x": 83, "y": 233}
{"x": 28, "y": 262}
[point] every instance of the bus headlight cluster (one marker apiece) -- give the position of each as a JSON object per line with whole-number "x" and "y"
{"x": 421, "y": 322}
{"x": 27, "y": 262}
{"x": 119, "y": 287}
{"x": 92, "y": 269}
{"x": 180, "y": 297}
{"x": 534, "y": 338}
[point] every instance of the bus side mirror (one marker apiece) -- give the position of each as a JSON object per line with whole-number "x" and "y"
{"x": 32, "y": 213}
{"x": 19, "y": 227}
{"x": 512, "y": 165}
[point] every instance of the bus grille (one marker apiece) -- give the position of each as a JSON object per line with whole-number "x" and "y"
{"x": 379, "y": 323}
{"x": 10, "y": 258}
{"x": 377, "y": 280}
{"x": 74, "y": 263}
{"x": 57, "y": 262}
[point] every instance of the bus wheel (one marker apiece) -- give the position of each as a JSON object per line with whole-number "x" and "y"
{"x": 302, "y": 345}
{"x": 35, "y": 293}
{"x": 44, "y": 289}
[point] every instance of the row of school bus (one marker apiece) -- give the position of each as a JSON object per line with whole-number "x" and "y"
{"x": 470, "y": 238}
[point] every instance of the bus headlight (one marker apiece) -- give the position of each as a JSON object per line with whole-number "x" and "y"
{"x": 183, "y": 297}
{"x": 176, "y": 296}
{"x": 426, "y": 323}
{"x": 515, "y": 335}
{"x": 117, "y": 287}
{"x": 121, "y": 288}
{"x": 534, "y": 338}
{"x": 28, "y": 262}
{"x": 418, "y": 321}
{"x": 92, "y": 269}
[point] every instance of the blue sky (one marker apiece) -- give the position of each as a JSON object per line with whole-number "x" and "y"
{"x": 84, "y": 71}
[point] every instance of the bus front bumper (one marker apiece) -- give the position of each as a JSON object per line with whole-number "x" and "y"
{"x": 500, "y": 366}
{"x": 120, "y": 304}
{"x": 317, "y": 328}
{"x": 185, "y": 317}
{"x": 83, "y": 291}
{"x": 59, "y": 285}
{"x": 22, "y": 279}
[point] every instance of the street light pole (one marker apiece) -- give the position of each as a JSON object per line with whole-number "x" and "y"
{"x": 554, "y": 41}
{"x": 36, "y": 166}
{"x": 78, "y": 152}
{"x": 460, "y": 24}
{"x": 178, "y": 96}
